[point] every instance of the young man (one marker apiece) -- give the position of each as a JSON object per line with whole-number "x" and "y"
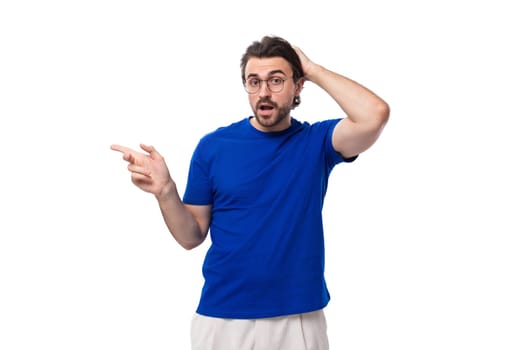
{"x": 258, "y": 186}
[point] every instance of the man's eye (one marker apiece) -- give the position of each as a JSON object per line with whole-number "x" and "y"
{"x": 276, "y": 81}
{"x": 254, "y": 82}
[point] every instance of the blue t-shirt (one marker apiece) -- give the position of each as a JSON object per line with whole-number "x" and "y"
{"x": 266, "y": 189}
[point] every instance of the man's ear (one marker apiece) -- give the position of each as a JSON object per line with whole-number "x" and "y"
{"x": 299, "y": 86}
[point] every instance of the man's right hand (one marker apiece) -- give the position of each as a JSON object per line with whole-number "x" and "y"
{"x": 149, "y": 171}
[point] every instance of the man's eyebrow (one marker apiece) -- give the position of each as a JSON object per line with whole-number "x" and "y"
{"x": 273, "y": 72}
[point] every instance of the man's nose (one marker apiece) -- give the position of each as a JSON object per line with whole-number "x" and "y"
{"x": 264, "y": 90}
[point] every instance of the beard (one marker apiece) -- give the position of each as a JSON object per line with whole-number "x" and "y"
{"x": 269, "y": 122}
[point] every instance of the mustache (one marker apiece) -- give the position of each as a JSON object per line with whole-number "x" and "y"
{"x": 266, "y": 100}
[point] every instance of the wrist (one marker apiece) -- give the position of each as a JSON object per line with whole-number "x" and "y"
{"x": 166, "y": 191}
{"x": 314, "y": 70}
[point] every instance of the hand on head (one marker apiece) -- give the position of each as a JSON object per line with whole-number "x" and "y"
{"x": 307, "y": 64}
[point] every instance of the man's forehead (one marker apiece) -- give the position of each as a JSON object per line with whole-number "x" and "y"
{"x": 269, "y": 65}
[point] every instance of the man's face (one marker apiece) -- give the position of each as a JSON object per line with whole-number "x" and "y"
{"x": 271, "y": 108}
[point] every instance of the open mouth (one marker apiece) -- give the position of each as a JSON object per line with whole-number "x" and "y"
{"x": 265, "y": 107}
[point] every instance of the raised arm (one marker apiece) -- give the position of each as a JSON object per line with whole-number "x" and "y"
{"x": 366, "y": 113}
{"x": 188, "y": 224}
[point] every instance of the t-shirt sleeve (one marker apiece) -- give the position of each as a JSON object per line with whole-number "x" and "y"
{"x": 198, "y": 188}
{"x": 333, "y": 156}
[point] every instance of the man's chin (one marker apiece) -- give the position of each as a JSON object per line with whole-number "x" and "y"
{"x": 265, "y": 119}
{"x": 270, "y": 122}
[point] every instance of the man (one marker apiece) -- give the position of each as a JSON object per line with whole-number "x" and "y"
{"x": 258, "y": 186}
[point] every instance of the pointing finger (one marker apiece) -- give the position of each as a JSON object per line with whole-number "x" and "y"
{"x": 128, "y": 154}
{"x": 121, "y": 149}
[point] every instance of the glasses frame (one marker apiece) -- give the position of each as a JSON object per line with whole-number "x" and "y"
{"x": 267, "y": 85}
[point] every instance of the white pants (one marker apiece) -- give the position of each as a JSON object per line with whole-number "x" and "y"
{"x": 295, "y": 332}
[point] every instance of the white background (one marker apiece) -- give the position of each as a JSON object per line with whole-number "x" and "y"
{"x": 424, "y": 233}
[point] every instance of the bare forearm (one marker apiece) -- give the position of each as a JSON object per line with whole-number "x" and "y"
{"x": 181, "y": 223}
{"x": 358, "y": 103}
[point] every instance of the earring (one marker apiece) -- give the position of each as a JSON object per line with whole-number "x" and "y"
{"x": 297, "y": 100}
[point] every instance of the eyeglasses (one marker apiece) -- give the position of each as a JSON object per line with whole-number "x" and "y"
{"x": 274, "y": 84}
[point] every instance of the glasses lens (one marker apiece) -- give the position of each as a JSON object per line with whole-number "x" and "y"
{"x": 252, "y": 85}
{"x": 275, "y": 84}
